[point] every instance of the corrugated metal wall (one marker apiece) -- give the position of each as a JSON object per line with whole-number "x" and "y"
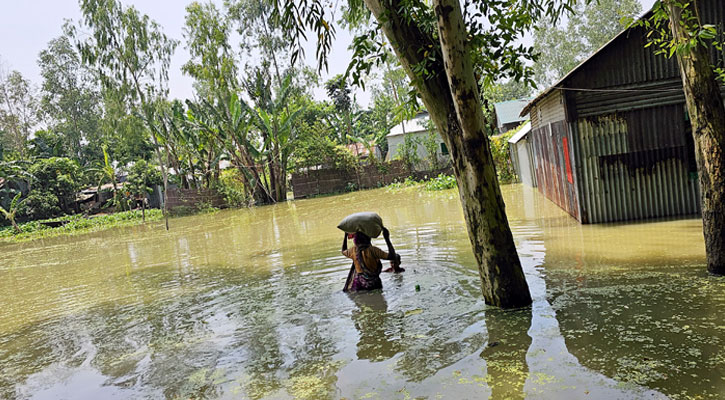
{"x": 549, "y": 109}
{"x": 635, "y": 165}
{"x": 554, "y": 166}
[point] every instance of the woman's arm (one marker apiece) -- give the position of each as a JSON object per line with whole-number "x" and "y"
{"x": 392, "y": 255}
{"x": 344, "y": 244}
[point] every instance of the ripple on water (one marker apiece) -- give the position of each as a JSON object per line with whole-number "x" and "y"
{"x": 247, "y": 304}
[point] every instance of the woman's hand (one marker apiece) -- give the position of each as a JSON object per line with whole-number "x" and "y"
{"x": 395, "y": 265}
{"x": 386, "y": 233}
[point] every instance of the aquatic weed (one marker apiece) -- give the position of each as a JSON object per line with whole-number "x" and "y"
{"x": 441, "y": 182}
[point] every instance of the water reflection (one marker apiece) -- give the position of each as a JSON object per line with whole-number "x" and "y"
{"x": 247, "y": 304}
{"x": 505, "y": 353}
{"x": 380, "y": 332}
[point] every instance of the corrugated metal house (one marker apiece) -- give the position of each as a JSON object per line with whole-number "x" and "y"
{"x": 612, "y": 140}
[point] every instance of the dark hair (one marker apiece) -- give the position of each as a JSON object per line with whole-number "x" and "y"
{"x": 362, "y": 242}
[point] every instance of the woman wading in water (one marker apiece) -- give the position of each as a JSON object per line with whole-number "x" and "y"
{"x": 366, "y": 268}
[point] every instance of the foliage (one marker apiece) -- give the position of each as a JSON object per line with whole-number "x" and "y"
{"x": 14, "y": 170}
{"x": 106, "y": 173}
{"x": 131, "y": 55}
{"x": 46, "y": 144}
{"x": 141, "y": 179}
{"x": 441, "y": 182}
{"x": 590, "y": 26}
{"x": 407, "y": 183}
{"x": 18, "y": 111}
{"x": 408, "y": 151}
{"x": 231, "y": 186}
{"x": 56, "y": 182}
{"x": 129, "y": 51}
{"x": 502, "y": 156}
{"x": 71, "y": 98}
{"x": 430, "y": 143}
{"x": 317, "y": 147}
{"x": 76, "y": 224}
{"x": 339, "y": 92}
{"x": 508, "y": 90}
{"x": 660, "y": 34}
{"x": 41, "y": 204}
{"x": 9, "y": 214}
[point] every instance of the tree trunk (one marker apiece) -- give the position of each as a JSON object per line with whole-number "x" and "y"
{"x": 707, "y": 117}
{"x": 451, "y": 97}
{"x": 15, "y": 225}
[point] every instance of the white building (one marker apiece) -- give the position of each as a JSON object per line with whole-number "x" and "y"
{"x": 417, "y": 128}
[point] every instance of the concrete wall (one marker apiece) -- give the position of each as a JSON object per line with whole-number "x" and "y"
{"x": 192, "y": 197}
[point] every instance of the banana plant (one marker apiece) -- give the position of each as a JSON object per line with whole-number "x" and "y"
{"x": 275, "y": 119}
{"x": 107, "y": 173}
{"x": 227, "y": 122}
{"x": 9, "y": 214}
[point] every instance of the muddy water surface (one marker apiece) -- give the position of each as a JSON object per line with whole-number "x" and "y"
{"x": 247, "y": 304}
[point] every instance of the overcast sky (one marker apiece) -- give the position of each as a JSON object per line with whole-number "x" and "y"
{"x": 27, "y": 26}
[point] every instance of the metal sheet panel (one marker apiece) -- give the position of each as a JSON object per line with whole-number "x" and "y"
{"x": 552, "y": 161}
{"x": 636, "y": 165}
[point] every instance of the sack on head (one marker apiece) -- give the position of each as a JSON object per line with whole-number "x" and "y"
{"x": 368, "y": 223}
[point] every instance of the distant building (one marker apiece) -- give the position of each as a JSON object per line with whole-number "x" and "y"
{"x": 522, "y": 156}
{"x": 508, "y": 116}
{"x": 417, "y": 129}
{"x": 362, "y": 152}
{"x": 612, "y": 140}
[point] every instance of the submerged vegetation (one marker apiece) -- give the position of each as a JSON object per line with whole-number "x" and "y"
{"x": 440, "y": 182}
{"x": 75, "y": 224}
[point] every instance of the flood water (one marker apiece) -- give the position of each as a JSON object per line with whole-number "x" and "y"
{"x": 248, "y": 304}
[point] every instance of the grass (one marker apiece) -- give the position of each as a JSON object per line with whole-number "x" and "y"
{"x": 77, "y": 224}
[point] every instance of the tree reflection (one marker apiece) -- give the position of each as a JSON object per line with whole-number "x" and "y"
{"x": 505, "y": 354}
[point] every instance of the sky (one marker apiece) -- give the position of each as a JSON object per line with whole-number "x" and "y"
{"x": 27, "y": 26}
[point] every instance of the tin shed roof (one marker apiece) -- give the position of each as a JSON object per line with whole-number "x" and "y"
{"x": 509, "y": 111}
{"x": 417, "y": 124}
{"x": 521, "y": 133}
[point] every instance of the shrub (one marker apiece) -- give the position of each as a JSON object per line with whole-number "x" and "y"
{"x": 231, "y": 186}
{"x": 408, "y": 182}
{"x": 322, "y": 151}
{"x": 408, "y": 151}
{"x": 40, "y": 204}
{"x": 441, "y": 182}
{"x": 54, "y": 187}
{"x": 502, "y": 156}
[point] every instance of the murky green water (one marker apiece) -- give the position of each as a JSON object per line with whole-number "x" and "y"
{"x": 247, "y": 304}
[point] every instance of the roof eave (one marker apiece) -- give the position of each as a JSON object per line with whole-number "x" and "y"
{"x": 560, "y": 82}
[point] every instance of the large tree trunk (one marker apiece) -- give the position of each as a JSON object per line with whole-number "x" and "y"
{"x": 707, "y": 116}
{"x": 452, "y": 99}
